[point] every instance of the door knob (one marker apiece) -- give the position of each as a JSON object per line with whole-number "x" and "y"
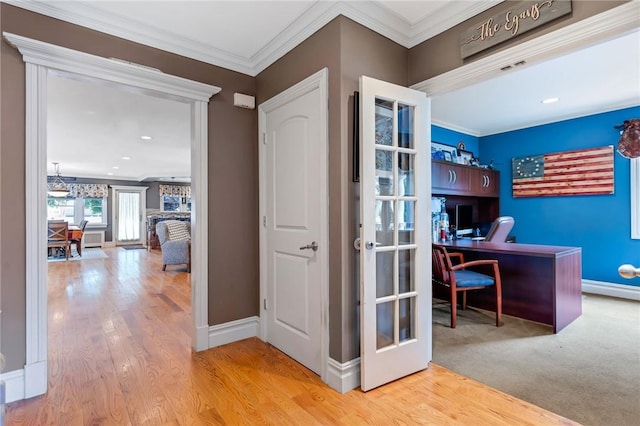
{"x": 313, "y": 246}
{"x": 369, "y": 245}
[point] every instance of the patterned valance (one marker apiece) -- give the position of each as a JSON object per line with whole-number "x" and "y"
{"x": 176, "y": 190}
{"x": 88, "y": 190}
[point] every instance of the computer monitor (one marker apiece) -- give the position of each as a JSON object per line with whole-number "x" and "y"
{"x": 464, "y": 219}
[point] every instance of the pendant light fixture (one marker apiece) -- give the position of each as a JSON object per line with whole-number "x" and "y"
{"x": 57, "y": 188}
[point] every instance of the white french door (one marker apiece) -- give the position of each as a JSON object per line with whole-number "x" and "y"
{"x": 129, "y": 206}
{"x": 395, "y": 232}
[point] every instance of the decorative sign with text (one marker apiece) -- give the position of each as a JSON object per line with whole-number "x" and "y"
{"x": 520, "y": 18}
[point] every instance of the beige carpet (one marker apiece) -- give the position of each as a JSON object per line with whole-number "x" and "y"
{"x": 589, "y": 372}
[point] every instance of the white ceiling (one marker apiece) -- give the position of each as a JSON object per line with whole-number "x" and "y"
{"x": 247, "y": 36}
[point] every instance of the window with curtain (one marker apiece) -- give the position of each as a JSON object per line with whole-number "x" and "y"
{"x": 75, "y": 210}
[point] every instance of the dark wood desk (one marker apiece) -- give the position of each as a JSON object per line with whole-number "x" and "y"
{"x": 539, "y": 283}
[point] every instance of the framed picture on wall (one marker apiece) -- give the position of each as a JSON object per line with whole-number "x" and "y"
{"x": 467, "y": 156}
{"x": 439, "y": 151}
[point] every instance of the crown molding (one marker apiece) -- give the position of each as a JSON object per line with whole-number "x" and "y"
{"x": 440, "y": 21}
{"x": 367, "y": 13}
{"x": 83, "y": 65}
{"x": 90, "y": 17}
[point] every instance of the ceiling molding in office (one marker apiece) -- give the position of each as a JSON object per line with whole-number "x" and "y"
{"x": 379, "y": 16}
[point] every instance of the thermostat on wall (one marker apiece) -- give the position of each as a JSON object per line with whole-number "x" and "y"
{"x": 244, "y": 101}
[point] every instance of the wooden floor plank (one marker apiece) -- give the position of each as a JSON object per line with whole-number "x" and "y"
{"x": 120, "y": 354}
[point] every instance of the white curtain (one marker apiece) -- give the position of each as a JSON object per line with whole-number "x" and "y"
{"x": 128, "y": 216}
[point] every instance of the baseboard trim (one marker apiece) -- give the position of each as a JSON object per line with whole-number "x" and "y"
{"x": 234, "y": 331}
{"x": 343, "y": 377}
{"x": 611, "y": 289}
{"x": 14, "y": 385}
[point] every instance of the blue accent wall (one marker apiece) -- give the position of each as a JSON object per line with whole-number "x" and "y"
{"x": 451, "y": 137}
{"x": 599, "y": 224}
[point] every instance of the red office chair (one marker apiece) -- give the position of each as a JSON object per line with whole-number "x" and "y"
{"x": 461, "y": 278}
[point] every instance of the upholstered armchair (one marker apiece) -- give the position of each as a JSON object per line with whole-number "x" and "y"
{"x": 175, "y": 243}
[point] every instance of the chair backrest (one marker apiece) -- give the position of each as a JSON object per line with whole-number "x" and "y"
{"x": 83, "y": 225}
{"x": 500, "y": 229}
{"x": 173, "y": 230}
{"x": 440, "y": 265}
{"x": 57, "y": 231}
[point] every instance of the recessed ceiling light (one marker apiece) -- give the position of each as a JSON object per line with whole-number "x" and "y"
{"x": 109, "y": 174}
{"x": 146, "y": 138}
{"x": 115, "y": 167}
{"x": 550, "y": 100}
{"x": 126, "y": 158}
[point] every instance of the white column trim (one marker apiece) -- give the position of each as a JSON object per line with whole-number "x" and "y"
{"x": 199, "y": 227}
{"x": 41, "y": 60}
{"x": 35, "y": 370}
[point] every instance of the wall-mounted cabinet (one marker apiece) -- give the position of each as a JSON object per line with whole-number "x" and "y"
{"x": 474, "y": 186}
{"x": 456, "y": 179}
{"x": 485, "y": 183}
{"x": 449, "y": 178}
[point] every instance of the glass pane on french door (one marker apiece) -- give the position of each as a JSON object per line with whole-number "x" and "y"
{"x": 395, "y": 233}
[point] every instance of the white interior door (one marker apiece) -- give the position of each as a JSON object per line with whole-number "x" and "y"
{"x": 129, "y": 206}
{"x": 294, "y": 221}
{"x": 395, "y": 209}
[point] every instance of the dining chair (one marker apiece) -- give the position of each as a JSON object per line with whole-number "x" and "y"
{"x": 78, "y": 241}
{"x": 460, "y": 278}
{"x": 58, "y": 237}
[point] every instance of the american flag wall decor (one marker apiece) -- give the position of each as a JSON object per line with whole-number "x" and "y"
{"x": 580, "y": 172}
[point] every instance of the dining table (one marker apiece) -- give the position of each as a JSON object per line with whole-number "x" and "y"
{"x": 74, "y": 232}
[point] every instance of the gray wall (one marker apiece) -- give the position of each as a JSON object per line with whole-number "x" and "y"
{"x": 233, "y": 208}
{"x": 348, "y": 50}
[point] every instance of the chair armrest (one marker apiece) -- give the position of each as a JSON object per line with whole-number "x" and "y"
{"x": 459, "y": 256}
{"x": 475, "y": 263}
{"x": 484, "y": 262}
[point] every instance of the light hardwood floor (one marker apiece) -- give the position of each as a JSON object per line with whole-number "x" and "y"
{"x": 119, "y": 354}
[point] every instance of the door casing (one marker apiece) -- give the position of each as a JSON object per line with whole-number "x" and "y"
{"x": 319, "y": 80}
{"x": 41, "y": 59}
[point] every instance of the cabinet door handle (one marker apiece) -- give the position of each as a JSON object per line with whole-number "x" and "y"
{"x": 455, "y": 176}
{"x": 450, "y": 176}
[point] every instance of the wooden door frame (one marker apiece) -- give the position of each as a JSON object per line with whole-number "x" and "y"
{"x": 319, "y": 80}
{"x": 42, "y": 59}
